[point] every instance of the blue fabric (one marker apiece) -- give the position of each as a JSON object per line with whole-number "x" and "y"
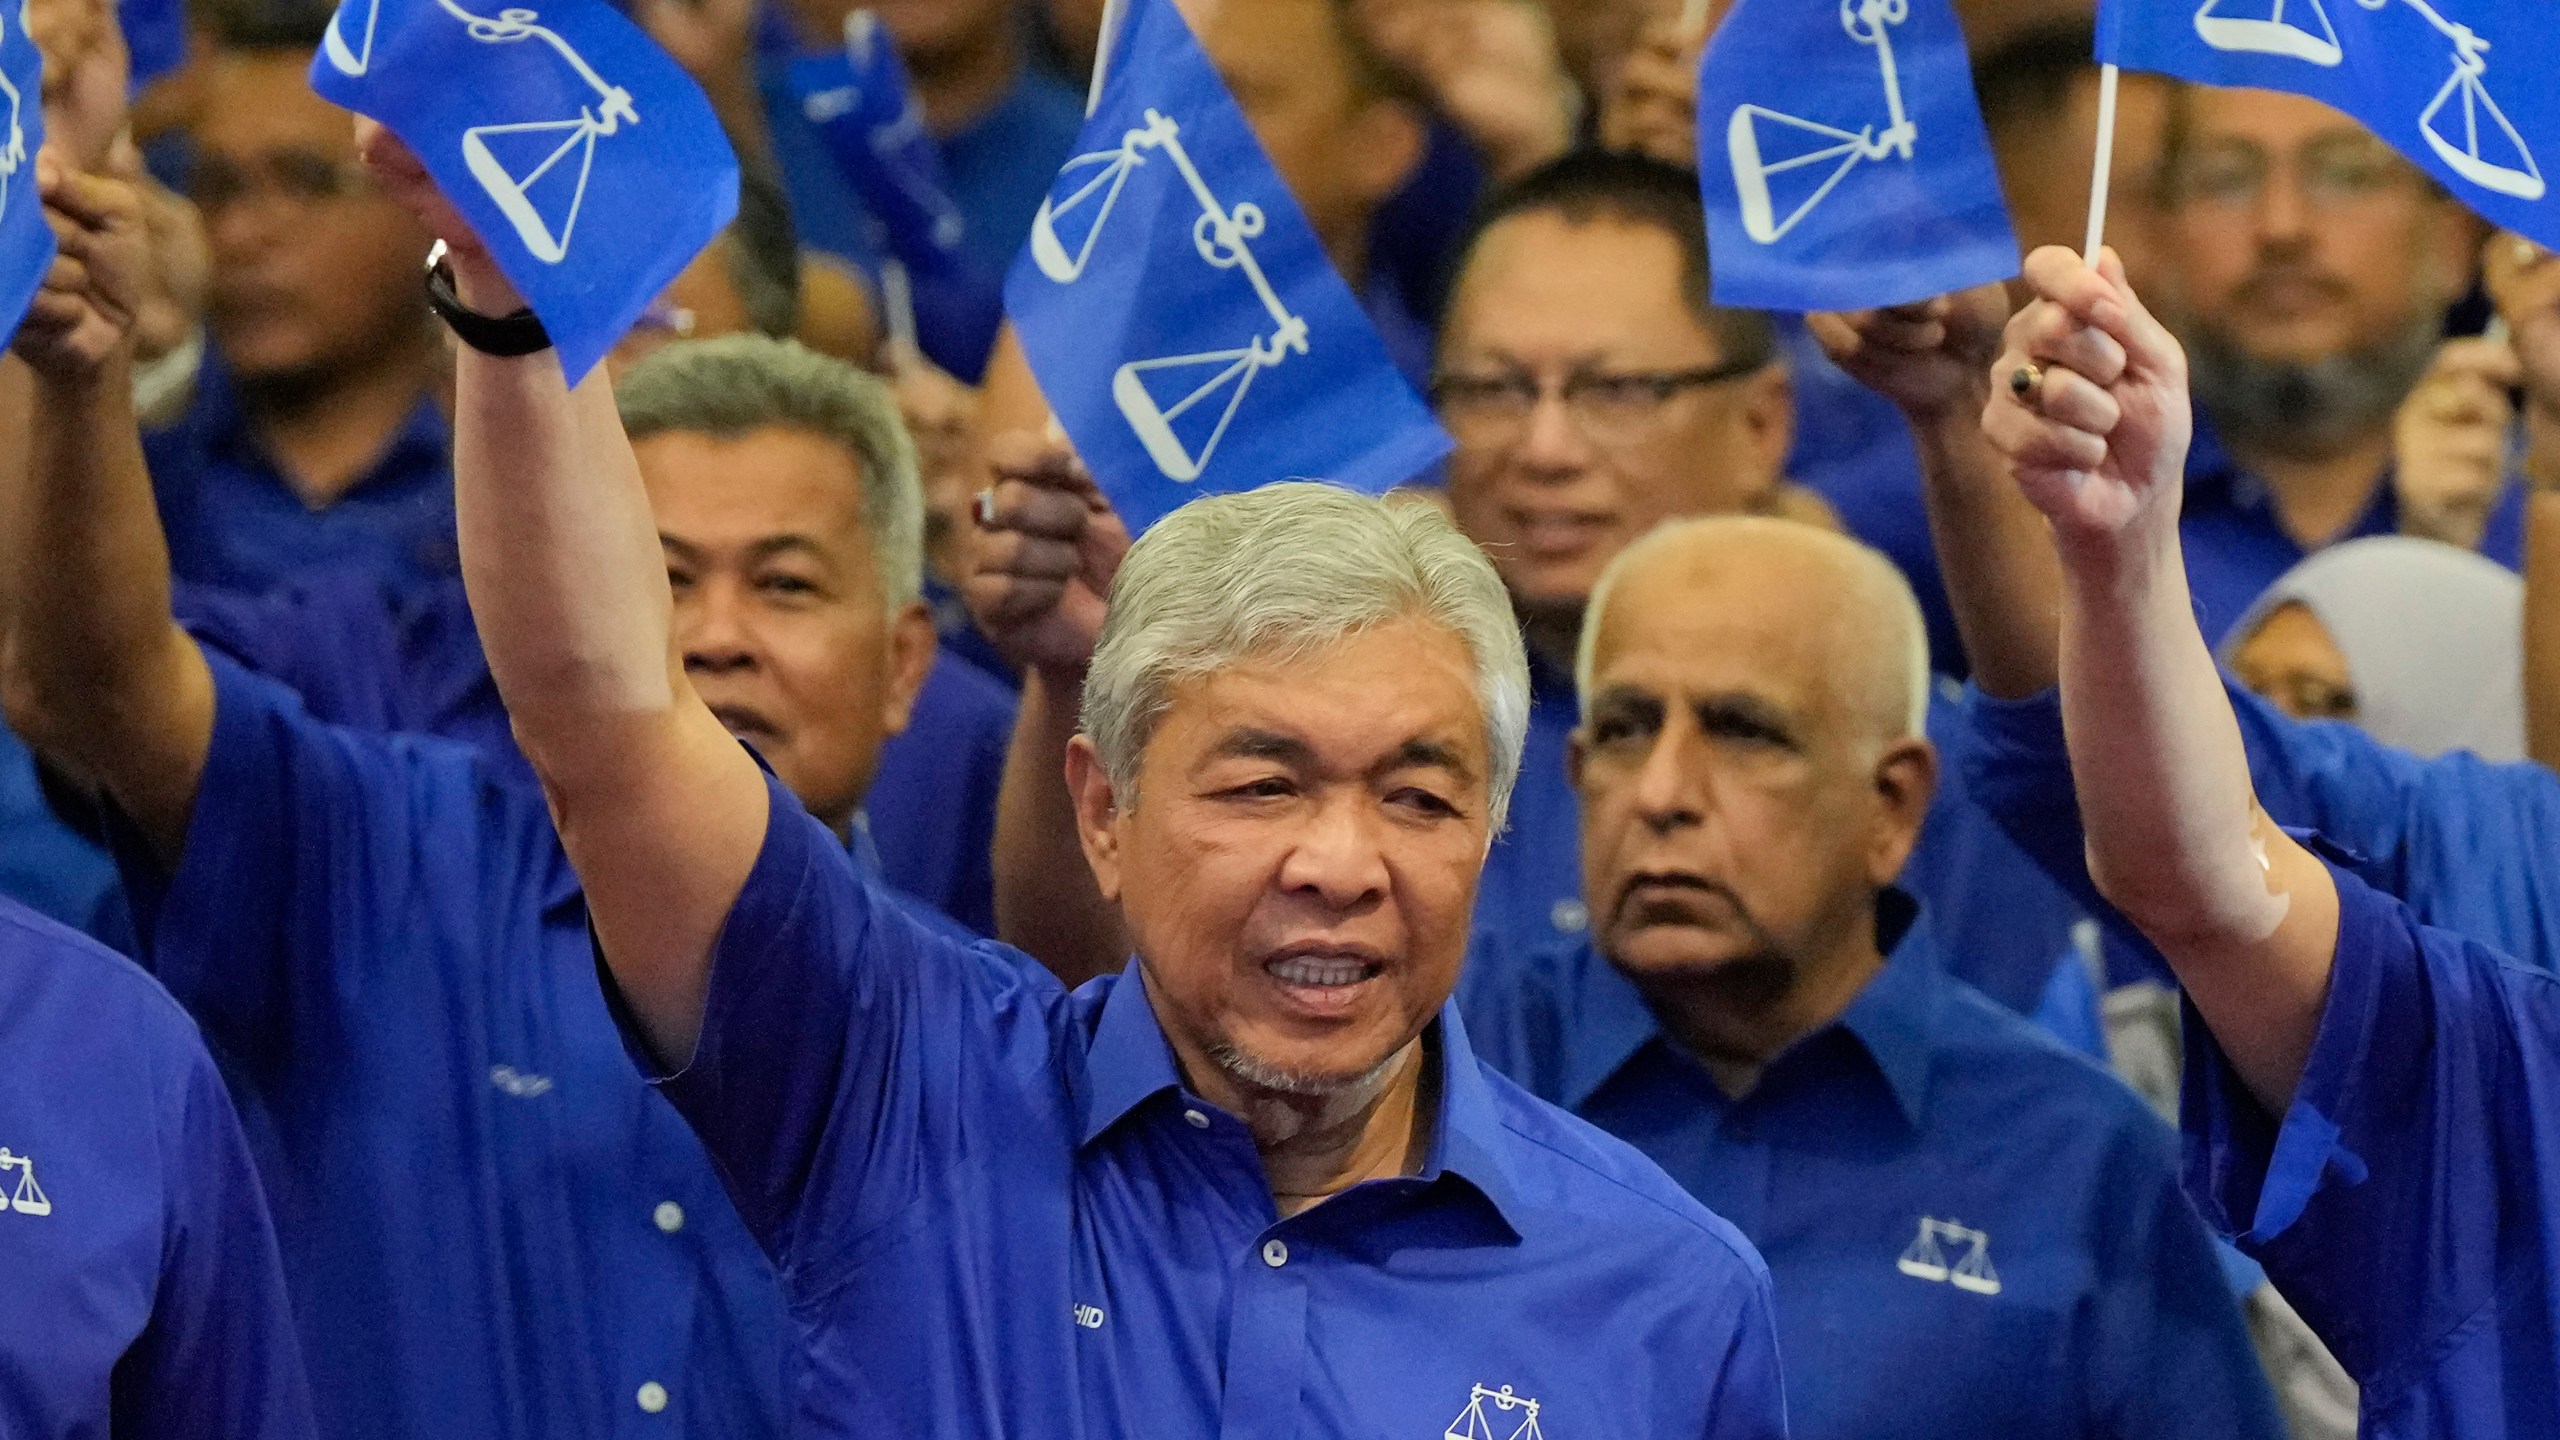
{"x": 232, "y": 519}
{"x": 2465, "y": 843}
{"x": 2237, "y": 546}
{"x": 1180, "y": 313}
{"x": 586, "y": 160}
{"x": 143, "y": 1298}
{"x": 361, "y": 653}
{"x": 998, "y": 168}
{"x": 2405, "y": 1202}
{"x": 155, "y": 38}
{"x": 26, "y": 241}
{"x": 45, "y": 864}
{"x": 997, "y": 1209}
{"x": 388, "y": 953}
{"x": 2098, "y": 1307}
{"x": 2007, "y": 927}
{"x": 2462, "y": 90}
{"x": 856, "y": 95}
{"x": 1844, "y": 160}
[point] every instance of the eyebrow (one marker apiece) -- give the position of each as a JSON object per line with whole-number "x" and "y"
{"x": 1415, "y": 754}
{"x": 761, "y": 550}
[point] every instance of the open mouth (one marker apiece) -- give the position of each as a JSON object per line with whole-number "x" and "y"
{"x": 1323, "y": 982}
{"x": 744, "y": 723}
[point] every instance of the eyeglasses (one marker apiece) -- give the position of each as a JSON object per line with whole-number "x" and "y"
{"x": 299, "y": 178}
{"x": 1609, "y": 409}
{"x": 2333, "y": 173}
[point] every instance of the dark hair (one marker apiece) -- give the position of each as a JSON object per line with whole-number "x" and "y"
{"x": 1590, "y": 184}
{"x": 761, "y": 252}
{"x": 267, "y": 25}
{"x": 2029, "y": 75}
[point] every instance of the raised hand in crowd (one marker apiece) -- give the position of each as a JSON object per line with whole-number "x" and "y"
{"x": 2449, "y": 441}
{"x": 84, "y": 317}
{"x": 1932, "y": 361}
{"x": 1491, "y": 67}
{"x": 1653, "y": 106}
{"x": 942, "y": 418}
{"x": 2523, "y": 280}
{"x": 714, "y": 40}
{"x": 85, "y": 69}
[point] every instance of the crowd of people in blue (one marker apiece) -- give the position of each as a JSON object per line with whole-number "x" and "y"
{"x": 1989, "y": 867}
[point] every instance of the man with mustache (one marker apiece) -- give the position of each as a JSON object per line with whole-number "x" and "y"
{"x": 1971, "y": 1231}
{"x": 2307, "y": 269}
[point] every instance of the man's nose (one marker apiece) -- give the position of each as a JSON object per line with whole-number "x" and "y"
{"x": 1671, "y": 788}
{"x": 712, "y": 630}
{"x": 1552, "y": 445}
{"x": 2284, "y": 208}
{"x": 1338, "y": 857}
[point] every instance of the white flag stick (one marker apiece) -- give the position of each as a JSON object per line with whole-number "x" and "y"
{"x": 2102, "y": 171}
{"x": 1693, "y": 16}
{"x": 1112, "y": 11}
{"x": 898, "y": 298}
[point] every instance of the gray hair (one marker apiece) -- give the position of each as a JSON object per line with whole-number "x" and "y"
{"x": 1888, "y": 593}
{"x": 736, "y": 384}
{"x": 1284, "y": 570}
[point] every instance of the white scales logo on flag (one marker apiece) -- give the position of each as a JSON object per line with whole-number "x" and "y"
{"x": 2506, "y": 166}
{"x": 544, "y": 216}
{"x": 1763, "y": 143}
{"x": 13, "y": 144}
{"x": 1925, "y": 1261}
{"x": 1472, "y": 1423}
{"x": 1221, "y": 235}
{"x": 27, "y": 1198}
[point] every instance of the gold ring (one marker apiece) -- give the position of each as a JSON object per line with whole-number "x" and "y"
{"x": 2026, "y": 383}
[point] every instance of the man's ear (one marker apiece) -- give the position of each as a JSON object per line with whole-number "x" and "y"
{"x": 913, "y": 645}
{"x": 1906, "y": 778}
{"x": 1769, "y": 418}
{"x": 1098, "y": 813}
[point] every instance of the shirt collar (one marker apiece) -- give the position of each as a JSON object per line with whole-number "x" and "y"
{"x": 421, "y": 446}
{"x": 1894, "y": 1018}
{"x": 1130, "y": 1062}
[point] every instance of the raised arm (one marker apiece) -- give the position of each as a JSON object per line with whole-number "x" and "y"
{"x": 1932, "y": 361}
{"x": 662, "y": 812}
{"x": 2524, "y": 280}
{"x": 100, "y": 680}
{"x": 2246, "y": 917}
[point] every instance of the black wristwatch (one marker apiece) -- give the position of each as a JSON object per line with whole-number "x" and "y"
{"x": 507, "y": 336}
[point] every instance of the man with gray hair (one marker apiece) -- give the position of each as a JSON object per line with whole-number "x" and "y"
{"x": 1256, "y": 1183}
{"x": 489, "y": 1226}
{"x": 1970, "y": 1230}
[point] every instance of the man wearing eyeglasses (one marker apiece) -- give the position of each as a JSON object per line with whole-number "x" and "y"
{"x": 1594, "y": 392}
{"x": 2307, "y": 269}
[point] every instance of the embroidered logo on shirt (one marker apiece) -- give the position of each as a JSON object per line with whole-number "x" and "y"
{"x": 1089, "y": 1317}
{"x": 1473, "y": 1424}
{"x": 1926, "y": 1261}
{"x": 519, "y": 1083}
{"x": 26, "y": 1197}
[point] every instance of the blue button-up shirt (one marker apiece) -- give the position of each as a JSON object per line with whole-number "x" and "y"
{"x": 2237, "y": 546}
{"x": 998, "y": 1211}
{"x": 1972, "y": 1231}
{"x": 491, "y": 1228}
{"x": 44, "y": 863}
{"x": 139, "y": 1296}
{"x": 2409, "y": 1202}
{"x": 363, "y": 653}
{"x": 2466, "y": 843}
{"x": 2008, "y": 927}
{"x": 232, "y": 519}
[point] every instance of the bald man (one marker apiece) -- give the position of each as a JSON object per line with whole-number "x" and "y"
{"x": 1971, "y": 1230}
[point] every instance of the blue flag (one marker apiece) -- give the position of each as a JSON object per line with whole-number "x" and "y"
{"x": 1180, "y": 314}
{"x": 587, "y": 161}
{"x": 26, "y": 241}
{"x": 858, "y": 100}
{"x": 1844, "y": 160}
{"x": 2469, "y": 89}
{"x": 155, "y": 37}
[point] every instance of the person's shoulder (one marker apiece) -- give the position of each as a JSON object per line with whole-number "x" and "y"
{"x": 1583, "y": 1179}
{"x": 960, "y": 693}
{"x": 1987, "y": 1049}
{"x": 113, "y": 996}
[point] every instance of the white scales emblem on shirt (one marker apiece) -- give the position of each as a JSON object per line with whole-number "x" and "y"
{"x": 1971, "y": 1271}
{"x": 26, "y": 1197}
{"x": 1473, "y": 1424}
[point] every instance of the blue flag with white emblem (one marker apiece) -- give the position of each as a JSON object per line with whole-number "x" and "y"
{"x": 1843, "y": 158}
{"x": 1182, "y": 318}
{"x": 2468, "y": 89}
{"x": 858, "y": 99}
{"x": 26, "y": 241}
{"x": 586, "y": 159}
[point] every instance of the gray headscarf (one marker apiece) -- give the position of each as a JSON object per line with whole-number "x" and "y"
{"x": 2433, "y": 638}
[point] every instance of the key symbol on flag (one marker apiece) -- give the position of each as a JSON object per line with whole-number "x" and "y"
{"x": 1866, "y": 22}
{"x": 13, "y": 148}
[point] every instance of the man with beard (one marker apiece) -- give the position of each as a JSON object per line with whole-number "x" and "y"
{"x": 1971, "y": 1231}
{"x": 2307, "y": 269}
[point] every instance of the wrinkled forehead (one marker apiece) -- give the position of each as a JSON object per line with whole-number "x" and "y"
{"x": 1733, "y": 623}
{"x": 1356, "y": 702}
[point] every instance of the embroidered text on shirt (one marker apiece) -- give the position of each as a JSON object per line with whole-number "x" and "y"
{"x": 520, "y": 1084}
{"x": 1089, "y": 1317}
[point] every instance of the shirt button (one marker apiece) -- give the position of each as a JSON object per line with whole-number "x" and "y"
{"x": 1198, "y": 1120}
{"x": 1275, "y": 1254}
{"x": 669, "y": 1215}
{"x": 653, "y": 1397}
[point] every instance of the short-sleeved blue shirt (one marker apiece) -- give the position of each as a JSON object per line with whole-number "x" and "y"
{"x": 139, "y": 1295}
{"x": 363, "y": 653}
{"x": 1972, "y": 1231}
{"x": 2237, "y": 546}
{"x": 2466, "y": 843}
{"x": 2007, "y": 927}
{"x": 490, "y": 1227}
{"x": 233, "y": 520}
{"x": 2408, "y": 1204}
{"x": 998, "y": 1211}
{"x": 44, "y": 863}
